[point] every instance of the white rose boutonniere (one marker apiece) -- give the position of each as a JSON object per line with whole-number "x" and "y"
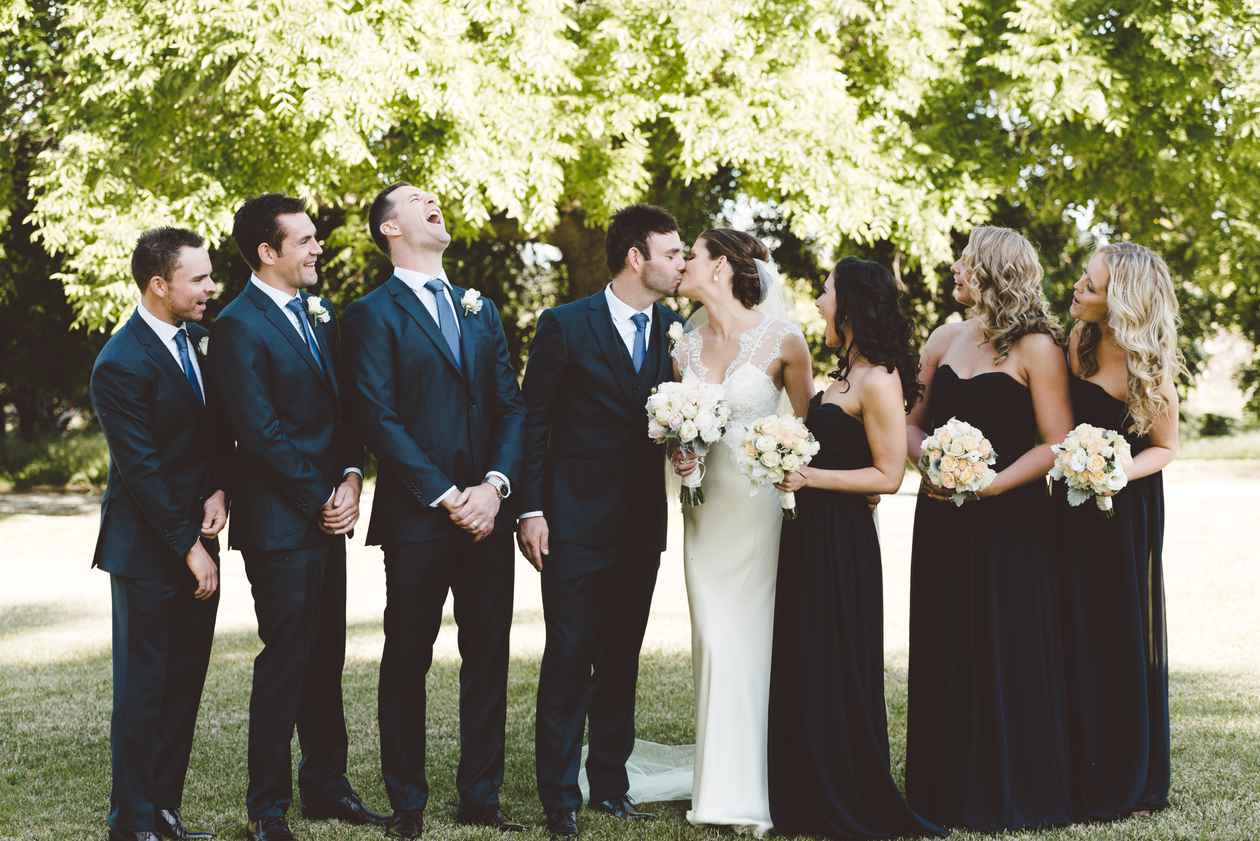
{"x": 204, "y": 345}
{"x": 675, "y": 335}
{"x": 316, "y": 309}
{"x": 471, "y": 302}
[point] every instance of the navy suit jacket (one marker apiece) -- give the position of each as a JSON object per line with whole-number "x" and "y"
{"x": 431, "y": 423}
{"x": 167, "y": 454}
{"x": 589, "y": 464}
{"x": 293, "y": 441}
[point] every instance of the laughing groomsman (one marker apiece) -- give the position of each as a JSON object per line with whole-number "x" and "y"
{"x": 297, "y": 497}
{"x": 437, "y": 401}
{"x": 163, "y": 508}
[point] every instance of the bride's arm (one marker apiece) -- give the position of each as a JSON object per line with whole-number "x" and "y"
{"x": 884, "y": 418}
{"x": 798, "y": 373}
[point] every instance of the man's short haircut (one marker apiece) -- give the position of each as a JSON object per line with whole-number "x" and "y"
{"x": 630, "y": 228}
{"x": 256, "y": 222}
{"x": 381, "y": 211}
{"x": 157, "y": 253}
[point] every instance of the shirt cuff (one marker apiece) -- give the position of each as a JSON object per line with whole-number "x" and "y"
{"x": 350, "y": 470}
{"x": 507, "y": 483}
{"x": 435, "y": 503}
{"x": 529, "y": 514}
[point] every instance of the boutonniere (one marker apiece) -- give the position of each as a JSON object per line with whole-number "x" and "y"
{"x": 471, "y": 302}
{"x": 203, "y": 345}
{"x": 315, "y": 307}
{"x": 675, "y": 335}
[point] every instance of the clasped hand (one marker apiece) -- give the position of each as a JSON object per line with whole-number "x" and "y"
{"x": 474, "y": 510}
{"x": 340, "y": 513}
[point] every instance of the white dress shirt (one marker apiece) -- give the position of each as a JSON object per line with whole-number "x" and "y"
{"x": 621, "y": 313}
{"x": 415, "y": 281}
{"x": 166, "y": 332}
{"x": 281, "y": 300}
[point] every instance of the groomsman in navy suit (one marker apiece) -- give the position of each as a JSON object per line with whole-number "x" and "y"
{"x": 164, "y": 505}
{"x": 297, "y": 497}
{"x": 594, "y": 509}
{"x": 436, "y": 399}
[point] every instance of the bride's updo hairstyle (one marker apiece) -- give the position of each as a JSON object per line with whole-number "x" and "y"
{"x": 1006, "y": 276}
{"x": 740, "y": 250}
{"x": 868, "y": 299}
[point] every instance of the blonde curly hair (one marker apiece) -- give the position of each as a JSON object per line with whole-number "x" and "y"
{"x": 1142, "y": 316}
{"x": 1006, "y": 277}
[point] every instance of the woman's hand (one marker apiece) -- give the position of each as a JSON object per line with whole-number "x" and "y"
{"x": 685, "y": 462}
{"x": 938, "y": 493}
{"x": 794, "y": 481}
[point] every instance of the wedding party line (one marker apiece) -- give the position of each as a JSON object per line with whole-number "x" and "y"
{"x": 1038, "y": 673}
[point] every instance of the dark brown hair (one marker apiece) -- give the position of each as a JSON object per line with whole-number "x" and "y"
{"x": 630, "y": 227}
{"x": 382, "y": 209}
{"x": 256, "y": 222}
{"x": 741, "y": 250}
{"x": 157, "y": 253}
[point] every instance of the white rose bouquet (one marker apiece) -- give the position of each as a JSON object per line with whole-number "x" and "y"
{"x": 956, "y": 457}
{"x": 775, "y": 446}
{"x": 691, "y": 416}
{"x": 1089, "y": 461}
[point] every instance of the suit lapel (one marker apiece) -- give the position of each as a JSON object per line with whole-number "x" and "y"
{"x": 281, "y": 323}
{"x": 320, "y": 332}
{"x": 611, "y": 346}
{"x": 405, "y": 298}
{"x": 153, "y": 347}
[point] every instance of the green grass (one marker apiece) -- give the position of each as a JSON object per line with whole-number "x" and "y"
{"x": 54, "y": 753}
{"x": 1240, "y": 445}
{"x": 77, "y": 460}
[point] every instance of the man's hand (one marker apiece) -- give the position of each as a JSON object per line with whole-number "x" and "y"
{"x": 204, "y": 569}
{"x": 532, "y": 535}
{"x": 214, "y": 514}
{"x": 476, "y": 515}
{"x": 342, "y": 511}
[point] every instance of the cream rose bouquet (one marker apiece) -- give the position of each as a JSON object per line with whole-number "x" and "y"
{"x": 775, "y": 446}
{"x": 690, "y": 416}
{"x": 957, "y": 458}
{"x": 1089, "y": 462}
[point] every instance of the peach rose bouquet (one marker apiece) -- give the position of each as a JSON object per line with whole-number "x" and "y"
{"x": 1089, "y": 461}
{"x": 775, "y": 446}
{"x": 958, "y": 459}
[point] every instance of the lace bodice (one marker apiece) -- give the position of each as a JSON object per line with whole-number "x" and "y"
{"x": 748, "y": 386}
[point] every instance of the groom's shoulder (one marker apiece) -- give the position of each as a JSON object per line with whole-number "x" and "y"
{"x": 565, "y": 313}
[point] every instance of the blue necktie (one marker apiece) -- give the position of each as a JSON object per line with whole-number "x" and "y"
{"x": 446, "y": 316}
{"x": 295, "y": 307}
{"x": 190, "y": 373}
{"x": 640, "y": 340}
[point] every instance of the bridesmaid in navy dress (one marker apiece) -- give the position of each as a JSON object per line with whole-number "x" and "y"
{"x": 1124, "y": 360}
{"x": 986, "y": 745}
{"x": 828, "y": 730}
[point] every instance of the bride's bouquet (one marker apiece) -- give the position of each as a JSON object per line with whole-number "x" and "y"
{"x": 1088, "y": 461}
{"x": 775, "y": 446}
{"x": 690, "y": 415}
{"x": 957, "y": 458}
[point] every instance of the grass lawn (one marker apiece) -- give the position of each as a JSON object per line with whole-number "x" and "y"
{"x": 54, "y": 755}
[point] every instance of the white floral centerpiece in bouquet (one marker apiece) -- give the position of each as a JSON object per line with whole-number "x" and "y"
{"x": 957, "y": 458}
{"x": 1089, "y": 461}
{"x": 775, "y": 446}
{"x": 690, "y": 416}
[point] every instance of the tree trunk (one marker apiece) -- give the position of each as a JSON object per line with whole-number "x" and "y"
{"x": 26, "y": 401}
{"x": 582, "y": 248}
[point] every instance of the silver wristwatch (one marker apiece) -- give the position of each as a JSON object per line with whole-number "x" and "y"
{"x": 500, "y": 486}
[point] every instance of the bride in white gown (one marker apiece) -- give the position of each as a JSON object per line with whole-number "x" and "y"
{"x": 731, "y": 542}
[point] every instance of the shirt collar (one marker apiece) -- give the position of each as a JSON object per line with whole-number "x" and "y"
{"x": 620, "y": 310}
{"x": 165, "y": 332}
{"x": 416, "y": 280}
{"x": 281, "y": 298}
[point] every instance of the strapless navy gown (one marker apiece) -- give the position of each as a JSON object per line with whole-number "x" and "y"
{"x": 828, "y": 730}
{"x": 986, "y": 745}
{"x": 1114, "y": 635}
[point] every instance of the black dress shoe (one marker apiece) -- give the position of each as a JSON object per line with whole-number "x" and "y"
{"x": 562, "y": 823}
{"x": 492, "y": 817}
{"x": 405, "y": 825}
{"x": 171, "y": 825}
{"x": 269, "y": 828}
{"x": 115, "y": 835}
{"x": 623, "y": 807}
{"x": 348, "y": 808}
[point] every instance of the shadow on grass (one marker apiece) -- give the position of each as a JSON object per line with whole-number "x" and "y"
{"x": 48, "y": 504}
{"x": 54, "y": 753}
{"x": 19, "y": 619}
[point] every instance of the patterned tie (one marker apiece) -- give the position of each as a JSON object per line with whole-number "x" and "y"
{"x": 295, "y": 307}
{"x": 640, "y": 340}
{"x": 185, "y": 361}
{"x": 446, "y": 316}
